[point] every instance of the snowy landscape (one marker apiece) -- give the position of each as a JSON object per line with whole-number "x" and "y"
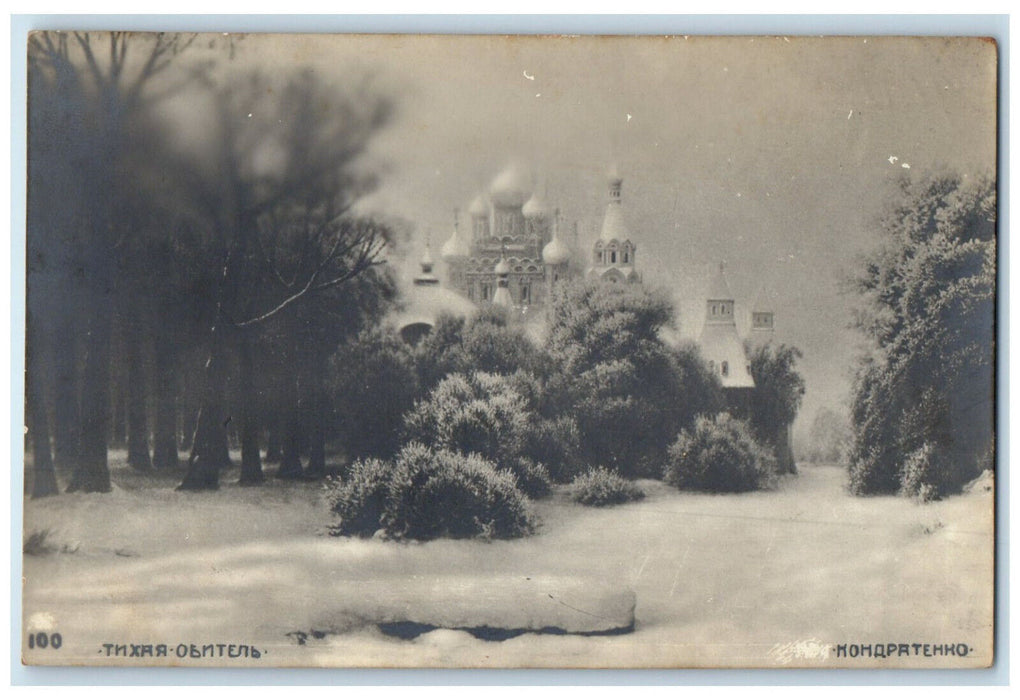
{"x": 579, "y": 353}
{"x": 769, "y": 579}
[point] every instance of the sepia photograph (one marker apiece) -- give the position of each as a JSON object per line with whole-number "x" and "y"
{"x": 518, "y": 351}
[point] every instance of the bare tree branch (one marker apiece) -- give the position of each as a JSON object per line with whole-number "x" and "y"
{"x": 85, "y": 42}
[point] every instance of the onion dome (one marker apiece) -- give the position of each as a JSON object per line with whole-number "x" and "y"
{"x": 455, "y": 248}
{"x": 535, "y": 208}
{"x": 502, "y": 267}
{"x": 423, "y": 304}
{"x": 479, "y": 207}
{"x": 555, "y": 251}
{"x": 426, "y": 277}
{"x": 510, "y": 188}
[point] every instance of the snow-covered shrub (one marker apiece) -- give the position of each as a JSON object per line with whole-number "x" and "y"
{"x": 359, "y": 499}
{"x": 600, "y": 487}
{"x": 478, "y": 413}
{"x": 719, "y": 455}
{"x": 555, "y": 442}
{"x": 924, "y": 474}
{"x": 439, "y": 493}
{"x": 927, "y": 306}
{"x": 532, "y": 477}
{"x": 425, "y": 494}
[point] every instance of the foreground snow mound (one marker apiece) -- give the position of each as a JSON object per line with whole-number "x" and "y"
{"x": 490, "y": 606}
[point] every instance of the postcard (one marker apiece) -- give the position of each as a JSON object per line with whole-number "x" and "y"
{"x": 510, "y": 351}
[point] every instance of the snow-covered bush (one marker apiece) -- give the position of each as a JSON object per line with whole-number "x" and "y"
{"x": 555, "y": 442}
{"x": 438, "y": 493}
{"x": 478, "y": 413}
{"x": 359, "y": 499}
{"x": 627, "y": 390}
{"x": 924, "y": 474}
{"x": 600, "y": 487}
{"x": 532, "y": 477}
{"x": 927, "y": 306}
{"x": 424, "y": 494}
{"x": 719, "y": 455}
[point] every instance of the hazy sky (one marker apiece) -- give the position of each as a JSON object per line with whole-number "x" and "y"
{"x": 772, "y": 154}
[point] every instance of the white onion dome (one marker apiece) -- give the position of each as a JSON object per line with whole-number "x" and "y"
{"x": 555, "y": 251}
{"x": 455, "y": 248}
{"x": 425, "y": 302}
{"x": 510, "y": 188}
{"x": 479, "y": 207}
{"x": 426, "y": 259}
{"x": 535, "y": 208}
{"x": 502, "y": 267}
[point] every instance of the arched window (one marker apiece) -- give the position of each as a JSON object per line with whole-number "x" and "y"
{"x": 711, "y": 365}
{"x": 626, "y": 257}
{"x": 525, "y": 294}
{"x": 715, "y": 309}
{"x": 725, "y": 367}
{"x": 612, "y": 257}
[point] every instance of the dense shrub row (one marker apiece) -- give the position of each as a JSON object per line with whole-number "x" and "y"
{"x": 451, "y": 434}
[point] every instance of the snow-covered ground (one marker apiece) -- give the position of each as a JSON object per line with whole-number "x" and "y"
{"x": 761, "y": 579}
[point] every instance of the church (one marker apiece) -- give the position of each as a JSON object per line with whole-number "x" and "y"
{"x": 514, "y": 254}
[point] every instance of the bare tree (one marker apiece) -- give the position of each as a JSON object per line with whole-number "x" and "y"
{"x": 278, "y": 192}
{"x": 85, "y": 93}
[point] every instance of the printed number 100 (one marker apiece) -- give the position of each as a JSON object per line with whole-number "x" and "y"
{"x": 41, "y": 640}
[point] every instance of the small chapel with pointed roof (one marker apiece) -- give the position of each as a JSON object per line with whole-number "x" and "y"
{"x": 721, "y": 345}
{"x": 613, "y": 254}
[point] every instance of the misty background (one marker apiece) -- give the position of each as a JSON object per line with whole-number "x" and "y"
{"x": 776, "y": 155}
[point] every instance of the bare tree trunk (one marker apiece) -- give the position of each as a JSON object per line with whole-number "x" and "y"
{"x": 44, "y": 479}
{"x": 91, "y": 470}
{"x": 316, "y": 416}
{"x": 164, "y": 449}
{"x": 119, "y": 425}
{"x": 65, "y": 394}
{"x": 138, "y": 424}
{"x": 290, "y": 464}
{"x": 209, "y": 451}
{"x": 274, "y": 446}
{"x": 186, "y": 420}
{"x": 251, "y": 461}
{"x": 784, "y": 450}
